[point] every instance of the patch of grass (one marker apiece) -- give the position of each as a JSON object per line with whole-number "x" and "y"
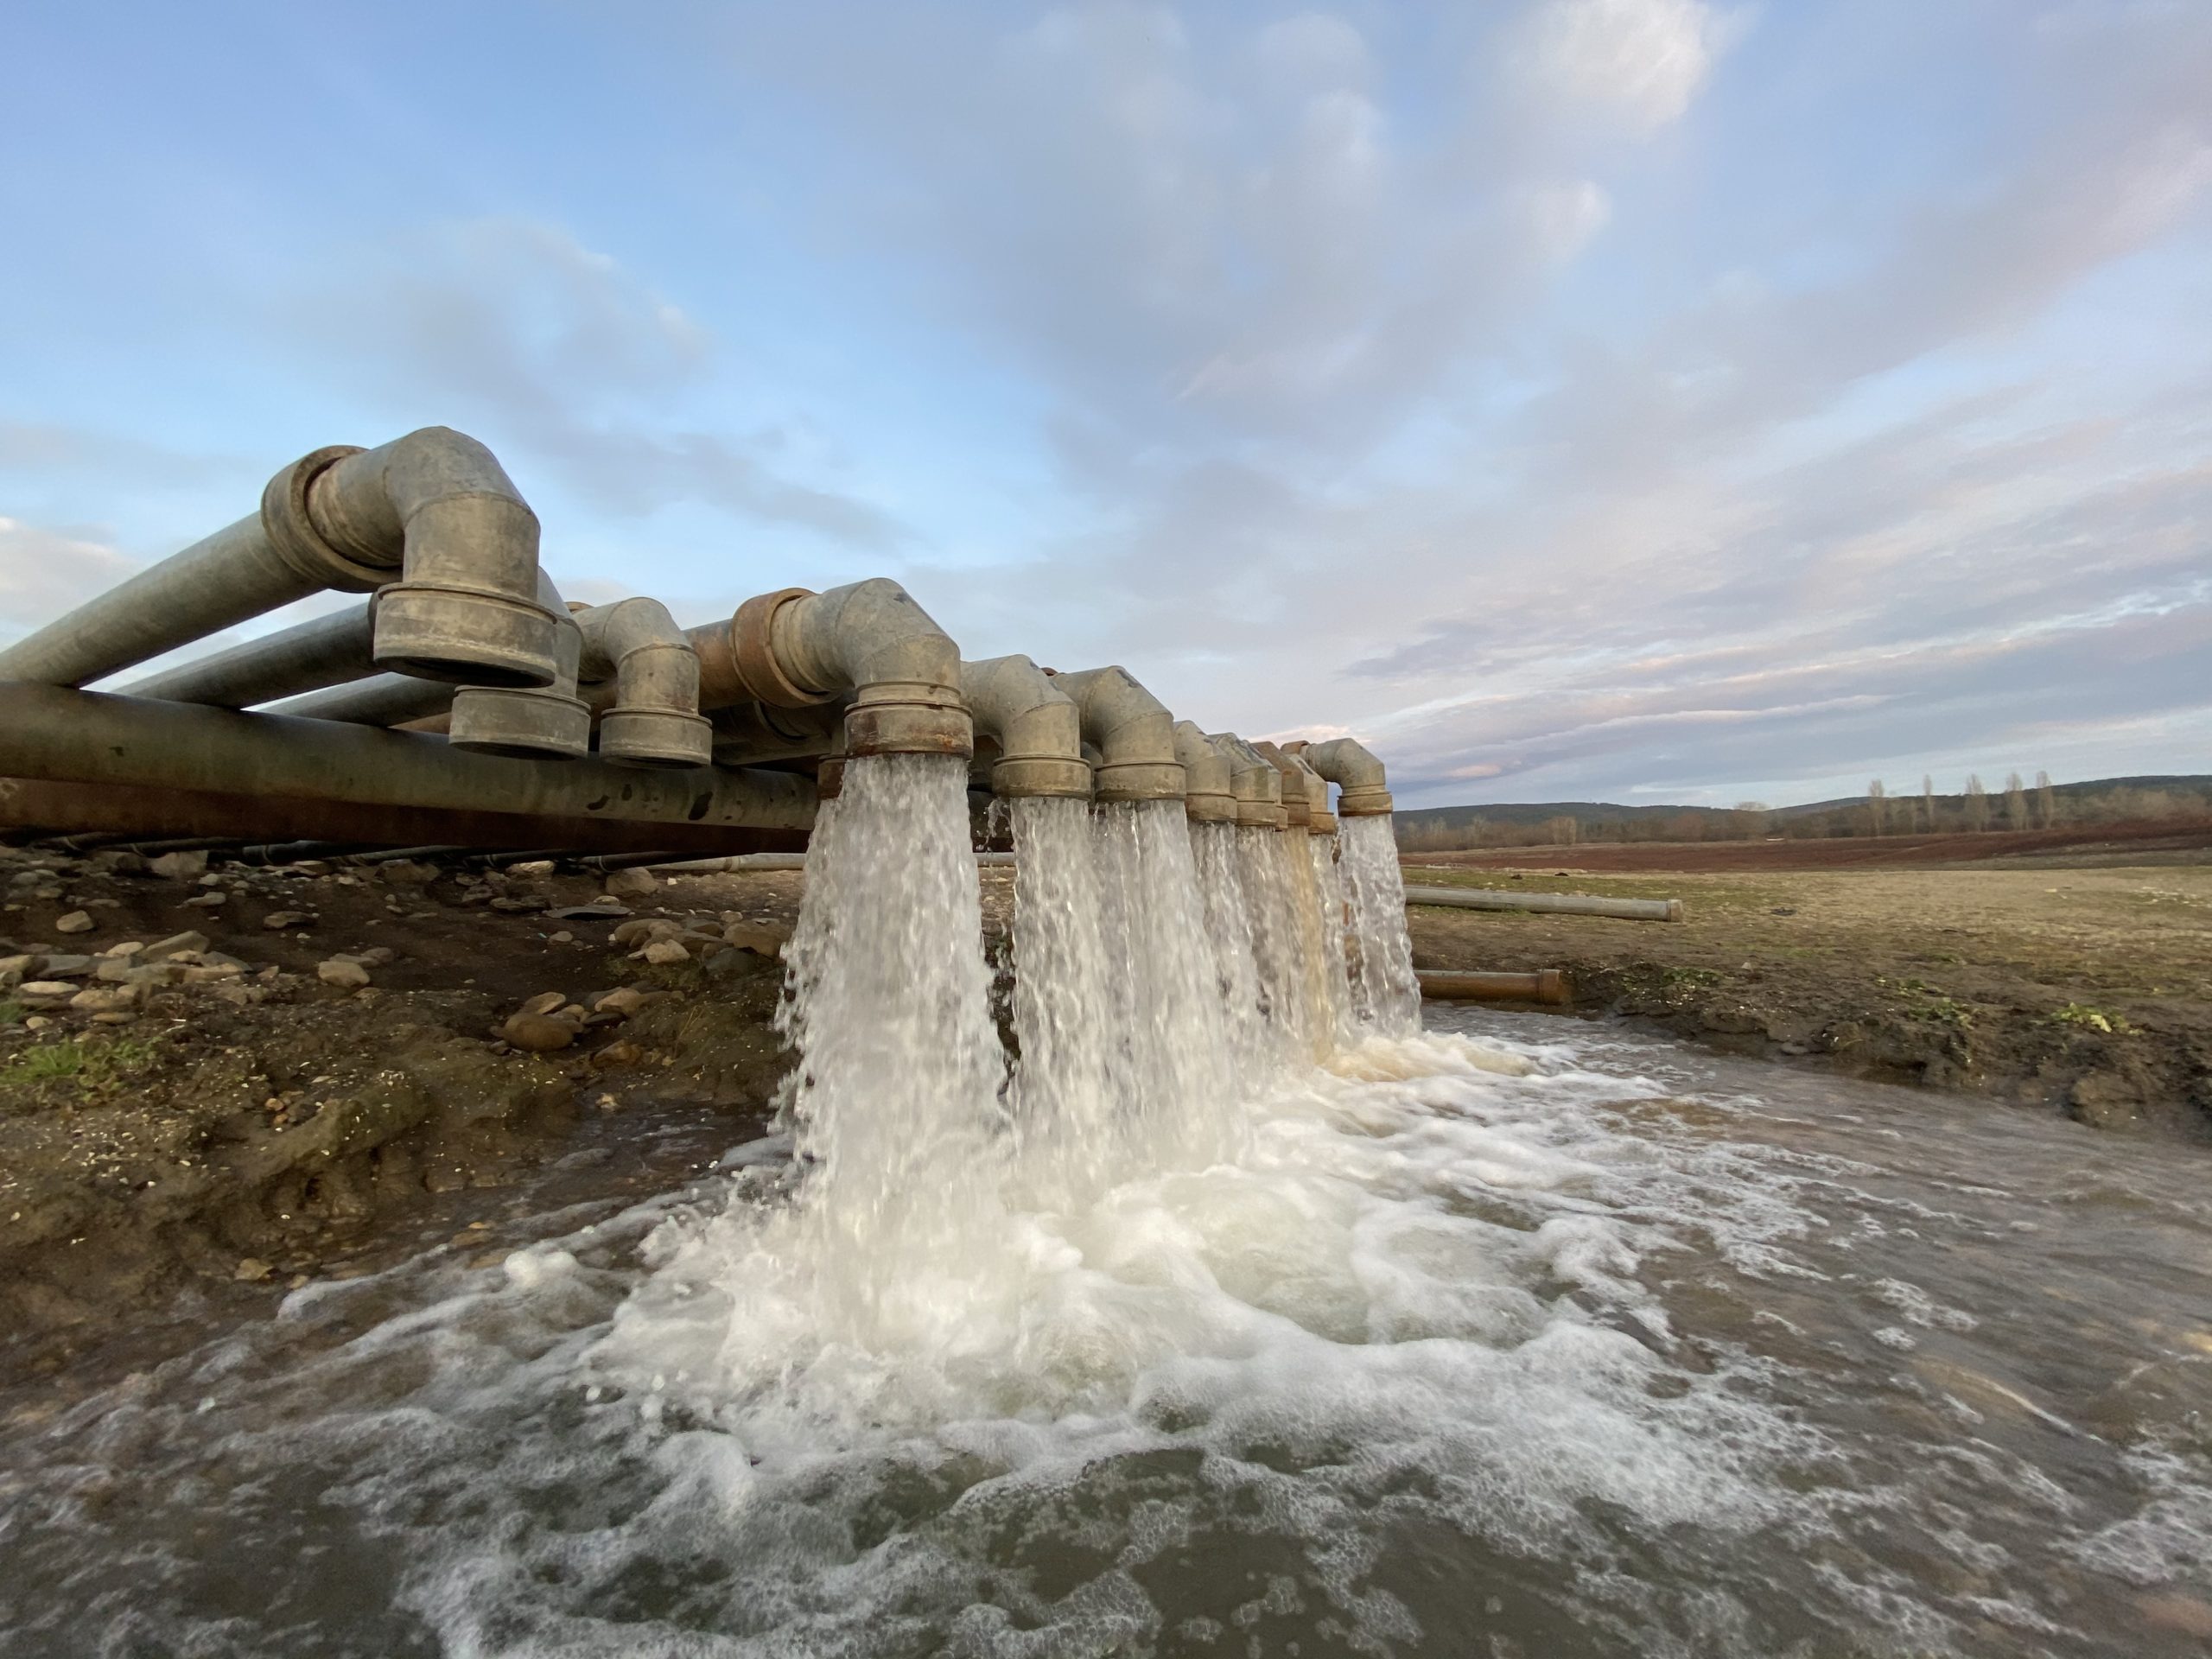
{"x": 2084, "y": 1017}
{"x": 89, "y": 1065}
{"x": 11, "y": 1012}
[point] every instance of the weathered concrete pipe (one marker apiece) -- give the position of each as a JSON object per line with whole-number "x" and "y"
{"x": 1557, "y": 904}
{"x": 1255, "y": 782}
{"x": 1135, "y": 733}
{"x": 1209, "y": 796}
{"x": 1363, "y": 788}
{"x": 428, "y": 523}
{"x": 49, "y": 731}
{"x": 328, "y": 651}
{"x": 796, "y": 649}
{"x": 654, "y": 719}
{"x": 1036, "y": 725}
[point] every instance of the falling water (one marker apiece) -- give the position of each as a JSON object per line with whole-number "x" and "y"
{"x": 1229, "y": 924}
{"x": 1329, "y": 889}
{"x": 1385, "y": 992}
{"x": 1266, "y": 880}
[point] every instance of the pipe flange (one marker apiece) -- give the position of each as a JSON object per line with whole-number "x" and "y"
{"x": 752, "y": 652}
{"x": 440, "y": 630}
{"x": 1321, "y": 824}
{"x": 293, "y": 538}
{"x": 496, "y": 721}
{"x": 656, "y": 737}
{"x": 1054, "y": 776}
{"x": 1295, "y": 813}
{"x": 909, "y": 717}
{"x": 1255, "y": 815}
{"x": 1208, "y": 807}
{"x": 1363, "y": 801}
{"x": 1142, "y": 780}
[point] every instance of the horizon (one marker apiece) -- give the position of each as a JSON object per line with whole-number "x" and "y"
{"x": 1640, "y": 399}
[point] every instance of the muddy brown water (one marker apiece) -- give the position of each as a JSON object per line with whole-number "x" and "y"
{"x": 1643, "y": 1352}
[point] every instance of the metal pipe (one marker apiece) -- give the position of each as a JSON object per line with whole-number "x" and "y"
{"x": 1034, "y": 725}
{"x": 654, "y": 719}
{"x": 746, "y": 733}
{"x": 1363, "y": 788}
{"x": 1255, "y": 782}
{"x": 1297, "y": 805}
{"x": 1559, "y": 903}
{"x": 547, "y": 719}
{"x": 381, "y": 700}
{"x": 1135, "y": 733}
{"x": 1545, "y": 985}
{"x": 83, "y": 737}
{"x": 741, "y": 863}
{"x": 794, "y": 649}
{"x": 432, "y": 509}
{"x": 1209, "y": 796}
{"x": 328, "y": 651}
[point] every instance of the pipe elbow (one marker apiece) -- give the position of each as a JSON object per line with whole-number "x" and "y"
{"x": 435, "y": 509}
{"x": 1359, "y": 777}
{"x": 1255, "y": 782}
{"x": 655, "y": 720}
{"x": 1208, "y": 795}
{"x": 1134, "y": 732}
{"x": 1291, "y": 786}
{"x": 794, "y": 649}
{"x": 1036, "y": 725}
{"x": 530, "y": 720}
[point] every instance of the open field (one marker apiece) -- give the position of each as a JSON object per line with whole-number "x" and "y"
{"x": 2158, "y": 842}
{"x": 2086, "y": 989}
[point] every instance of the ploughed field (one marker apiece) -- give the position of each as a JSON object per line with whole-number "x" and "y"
{"x": 2084, "y": 990}
{"x": 2153, "y": 841}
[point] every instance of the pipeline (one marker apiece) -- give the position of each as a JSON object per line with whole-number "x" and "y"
{"x": 1546, "y": 985}
{"x": 1134, "y": 733}
{"x": 1560, "y": 904}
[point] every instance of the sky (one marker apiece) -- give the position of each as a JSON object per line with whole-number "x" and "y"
{"x": 1636, "y": 400}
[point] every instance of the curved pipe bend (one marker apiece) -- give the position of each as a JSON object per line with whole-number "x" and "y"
{"x": 1364, "y": 790}
{"x": 1210, "y": 796}
{"x": 654, "y": 719}
{"x": 1036, "y": 725}
{"x": 794, "y": 649}
{"x": 1255, "y": 781}
{"x": 1135, "y": 733}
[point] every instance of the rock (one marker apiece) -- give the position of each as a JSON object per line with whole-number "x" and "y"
{"x": 563, "y": 938}
{"x": 282, "y": 918}
{"x": 12, "y": 969}
{"x": 406, "y": 873}
{"x": 127, "y": 948}
{"x": 61, "y": 967}
{"x": 757, "y": 940}
{"x": 208, "y": 901}
{"x": 209, "y": 972}
{"x": 179, "y": 866}
{"x": 252, "y": 1270}
{"x": 545, "y": 1002}
{"x": 76, "y": 921}
{"x": 645, "y": 930}
{"x": 537, "y": 1033}
{"x": 118, "y": 862}
{"x": 173, "y": 945}
{"x": 377, "y": 956}
{"x": 159, "y": 973}
{"x": 347, "y": 976}
{"x": 624, "y": 1000}
{"x": 624, "y": 1053}
{"x": 50, "y": 990}
{"x": 114, "y": 1017}
{"x": 631, "y": 884}
{"x": 106, "y": 999}
{"x": 530, "y": 902}
{"x": 531, "y": 869}
{"x": 661, "y": 952}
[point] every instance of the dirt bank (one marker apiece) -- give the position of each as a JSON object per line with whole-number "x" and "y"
{"x": 216, "y": 1086}
{"x": 2083, "y": 990}
{"x": 2154, "y": 842}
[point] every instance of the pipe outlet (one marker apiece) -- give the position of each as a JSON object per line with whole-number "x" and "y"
{"x": 1291, "y": 786}
{"x": 436, "y": 505}
{"x": 529, "y": 719}
{"x": 1208, "y": 797}
{"x": 1135, "y": 733}
{"x": 1034, "y": 724}
{"x": 1253, "y": 780}
{"x": 794, "y": 649}
{"x": 1363, "y": 791}
{"x": 655, "y": 719}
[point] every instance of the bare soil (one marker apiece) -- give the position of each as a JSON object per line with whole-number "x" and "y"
{"x": 2086, "y": 990}
{"x": 2156, "y": 842}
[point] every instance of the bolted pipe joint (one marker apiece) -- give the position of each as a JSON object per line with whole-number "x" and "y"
{"x": 1134, "y": 732}
{"x": 436, "y": 506}
{"x": 794, "y": 649}
{"x": 1255, "y": 782}
{"x": 1357, "y": 774}
{"x": 527, "y": 720}
{"x": 1036, "y": 725}
{"x": 655, "y": 720}
{"x": 1209, "y": 797}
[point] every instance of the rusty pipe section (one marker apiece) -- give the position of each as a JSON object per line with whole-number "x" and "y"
{"x": 1253, "y": 780}
{"x": 654, "y": 719}
{"x": 1134, "y": 732}
{"x": 1033, "y": 722}
{"x": 1364, "y": 790}
{"x": 1209, "y": 796}
{"x": 796, "y": 649}
{"x": 62, "y": 735}
{"x": 429, "y": 524}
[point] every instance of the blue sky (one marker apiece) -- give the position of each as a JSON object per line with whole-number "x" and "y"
{"x": 1631, "y": 399}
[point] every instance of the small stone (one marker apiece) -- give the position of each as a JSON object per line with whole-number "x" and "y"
{"x": 545, "y": 1002}
{"x": 276, "y": 919}
{"x": 12, "y": 969}
{"x": 252, "y": 1270}
{"x": 37, "y": 1022}
{"x": 624, "y": 1053}
{"x": 66, "y": 967}
{"x": 209, "y": 972}
{"x": 563, "y": 938}
{"x": 347, "y": 976}
{"x": 106, "y": 999}
{"x": 208, "y": 901}
{"x": 531, "y": 869}
{"x": 159, "y": 973}
{"x": 630, "y": 884}
{"x": 377, "y": 956}
{"x": 76, "y": 921}
{"x": 757, "y": 940}
{"x": 179, "y": 866}
{"x": 128, "y": 948}
{"x": 646, "y": 930}
{"x": 48, "y": 987}
{"x": 118, "y": 862}
{"x": 537, "y": 1033}
{"x": 624, "y": 1000}
{"x": 114, "y": 1017}
{"x": 174, "y": 945}
{"x": 661, "y": 952}
{"x": 406, "y": 873}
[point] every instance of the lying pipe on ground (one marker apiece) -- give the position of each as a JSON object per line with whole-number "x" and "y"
{"x": 1134, "y": 733}
{"x": 1362, "y": 790}
{"x": 1033, "y": 722}
{"x": 1208, "y": 795}
{"x": 1255, "y": 781}
{"x": 428, "y": 523}
{"x": 1545, "y": 985}
{"x": 1560, "y": 904}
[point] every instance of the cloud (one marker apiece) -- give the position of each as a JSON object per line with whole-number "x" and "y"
{"x": 46, "y": 449}
{"x": 45, "y": 572}
{"x": 1637, "y": 62}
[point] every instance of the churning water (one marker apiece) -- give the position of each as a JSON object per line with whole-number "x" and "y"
{"x": 1515, "y": 1337}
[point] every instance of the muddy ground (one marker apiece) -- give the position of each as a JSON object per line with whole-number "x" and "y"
{"x": 2085, "y": 991}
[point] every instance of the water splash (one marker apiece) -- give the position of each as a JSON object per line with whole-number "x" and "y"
{"x": 1229, "y": 924}
{"x": 1334, "y": 935}
{"x": 1385, "y": 992}
{"x": 1265, "y": 880}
